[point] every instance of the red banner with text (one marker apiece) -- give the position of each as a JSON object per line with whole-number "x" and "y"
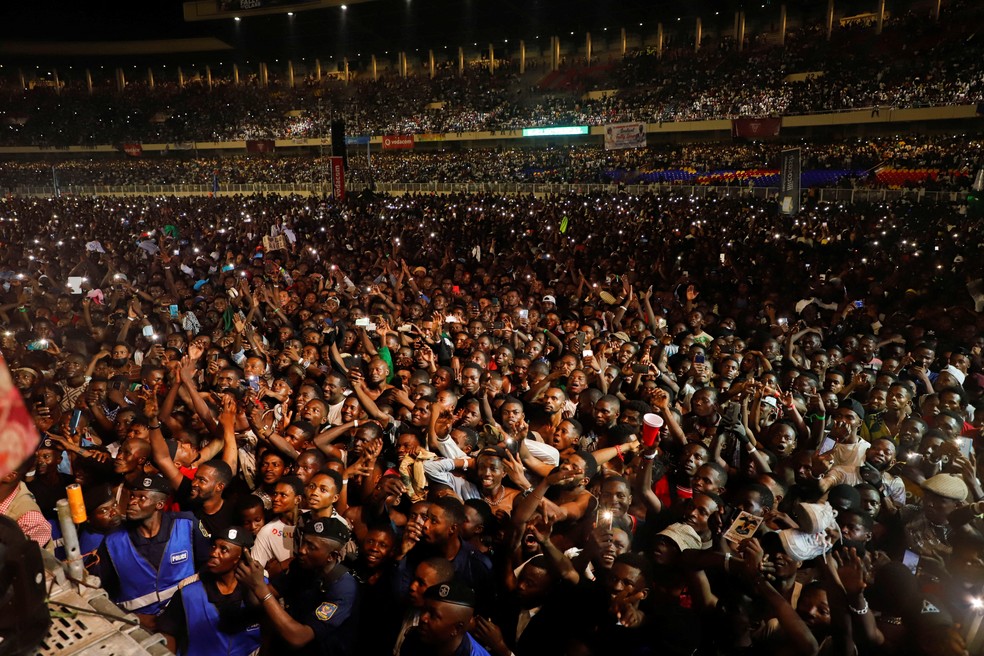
{"x": 398, "y": 142}
{"x": 133, "y": 149}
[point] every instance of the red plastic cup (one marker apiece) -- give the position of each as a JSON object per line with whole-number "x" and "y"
{"x": 651, "y": 424}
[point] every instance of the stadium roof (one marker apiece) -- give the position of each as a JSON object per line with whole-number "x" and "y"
{"x": 364, "y": 27}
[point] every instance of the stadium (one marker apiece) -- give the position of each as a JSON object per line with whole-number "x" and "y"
{"x": 428, "y": 327}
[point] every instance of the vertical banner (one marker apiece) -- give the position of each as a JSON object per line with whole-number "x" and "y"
{"x": 337, "y": 177}
{"x": 789, "y": 182}
{"x": 625, "y": 135}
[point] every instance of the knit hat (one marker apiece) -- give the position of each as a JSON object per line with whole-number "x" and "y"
{"x": 947, "y": 486}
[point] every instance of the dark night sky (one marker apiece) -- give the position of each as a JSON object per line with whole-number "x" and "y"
{"x": 374, "y": 26}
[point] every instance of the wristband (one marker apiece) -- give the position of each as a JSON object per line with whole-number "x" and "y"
{"x": 267, "y": 596}
{"x": 859, "y": 611}
{"x": 345, "y": 482}
{"x": 355, "y": 423}
{"x": 157, "y": 427}
{"x": 650, "y": 457}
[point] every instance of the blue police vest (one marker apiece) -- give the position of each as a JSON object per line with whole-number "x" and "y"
{"x": 202, "y": 620}
{"x": 142, "y": 588}
{"x": 88, "y": 541}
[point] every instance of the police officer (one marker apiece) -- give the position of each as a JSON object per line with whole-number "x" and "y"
{"x": 443, "y": 629}
{"x": 209, "y": 614}
{"x": 142, "y": 566}
{"x": 102, "y": 510}
{"x": 321, "y": 597}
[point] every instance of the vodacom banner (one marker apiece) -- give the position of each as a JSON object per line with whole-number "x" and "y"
{"x": 398, "y": 142}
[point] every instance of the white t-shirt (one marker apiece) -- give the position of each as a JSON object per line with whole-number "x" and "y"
{"x": 275, "y": 541}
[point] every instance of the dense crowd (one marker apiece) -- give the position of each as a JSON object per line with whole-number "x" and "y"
{"x": 931, "y": 162}
{"x": 472, "y": 424}
{"x": 914, "y": 63}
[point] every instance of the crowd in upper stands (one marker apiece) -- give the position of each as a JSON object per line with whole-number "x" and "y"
{"x": 915, "y": 62}
{"x": 929, "y": 162}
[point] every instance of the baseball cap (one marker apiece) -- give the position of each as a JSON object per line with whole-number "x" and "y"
{"x": 853, "y": 405}
{"x": 549, "y": 299}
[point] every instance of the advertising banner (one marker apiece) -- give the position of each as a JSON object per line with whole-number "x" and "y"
{"x": 337, "y": 177}
{"x": 260, "y": 145}
{"x": 755, "y": 128}
{"x": 625, "y": 135}
{"x": 398, "y": 142}
{"x": 133, "y": 149}
{"x": 789, "y": 182}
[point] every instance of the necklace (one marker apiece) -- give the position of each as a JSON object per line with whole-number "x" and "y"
{"x": 496, "y": 502}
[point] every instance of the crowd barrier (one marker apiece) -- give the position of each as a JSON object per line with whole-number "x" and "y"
{"x": 834, "y": 195}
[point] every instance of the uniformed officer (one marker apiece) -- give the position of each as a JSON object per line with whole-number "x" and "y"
{"x": 142, "y": 566}
{"x": 321, "y": 597}
{"x": 443, "y": 629}
{"x": 102, "y": 511}
{"x": 209, "y": 614}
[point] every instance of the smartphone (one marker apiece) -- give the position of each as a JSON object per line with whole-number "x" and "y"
{"x": 455, "y": 289}
{"x": 173, "y": 309}
{"x": 363, "y": 322}
{"x": 587, "y": 353}
{"x": 723, "y": 257}
{"x": 964, "y": 444}
{"x": 148, "y": 331}
{"x": 823, "y": 277}
{"x": 371, "y": 327}
{"x": 699, "y": 358}
{"x": 911, "y": 560}
{"x": 73, "y": 423}
{"x": 640, "y": 368}
{"x": 782, "y": 321}
{"x": 450, "y": 319}
{"x": 825, "y": 446}
{"x": 859, "y": 304}
{"x": 405, "y": 328}
{"x": 524, "y": 314}
{"x": 254, "y": 383}
{"x": 497, "y": 325}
